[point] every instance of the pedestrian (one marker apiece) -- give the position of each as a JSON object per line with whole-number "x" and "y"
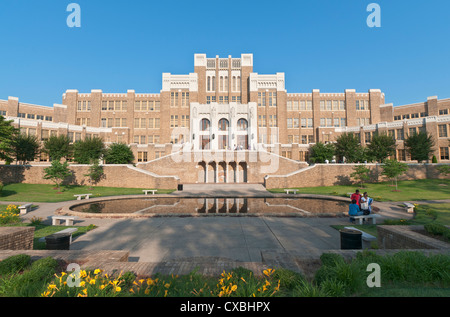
{"x": 356, "y": 196}
{"x": 366, "y": 203}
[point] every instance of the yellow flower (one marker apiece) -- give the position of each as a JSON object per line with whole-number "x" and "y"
{"x": 118, "y": 289}
{"x": 233, "y": 288}
{"x": 97, "y": 271}
{"x": 92, "y": 281}
{"x": 268, "y": 272}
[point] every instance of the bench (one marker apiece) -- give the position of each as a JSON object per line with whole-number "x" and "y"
{"x": 365, "y": 217}
{"x": 150, "y": 190}
{"x": 291, "y": 190}
{"x": 68, "y": 230}
{"x": 25, "y": 208}
{"x": 366, "y": 238}
{"x": 409, "y": 207}
{"x": 83, "y": 195}
{"x": 56, "y": 220}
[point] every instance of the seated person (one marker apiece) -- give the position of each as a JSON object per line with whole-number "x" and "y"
{"x": 366, "y": 204}
{"x": 356, "y": 196}
{"x": 353, "y": 209}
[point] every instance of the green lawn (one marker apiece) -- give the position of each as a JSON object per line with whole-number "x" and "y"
{"x": 47, "y": 193}
{"x": 421, "y": 189}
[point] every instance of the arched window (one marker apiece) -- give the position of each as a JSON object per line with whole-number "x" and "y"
{"x": 209, "y": 83}
{"x": 242, "y": 125}
{"x": 223, "y": 125}
{"x": 205, "y": 125}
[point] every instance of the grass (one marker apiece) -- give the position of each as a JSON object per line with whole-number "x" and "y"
{"x": 405, "y": 274}
{"x": 47, "y": 193}
{"x": 411, "y": 190}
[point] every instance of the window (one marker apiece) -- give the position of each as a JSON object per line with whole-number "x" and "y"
{"x": 3, "y": 113}
{"x": 30, "y": 116}
{"x": 296, "y": 123}
{"x": 368, "y": 137}
{"x": 204, "y": 125}
{"x": 174, "y": 99}
{"x": 184, "y": 99}
{"x": 174, "y": 121}
{"x": 396, "y": 118}
{"x": 242, "y": 125}
{"x": 443, "y": 112}
{"x": 142, "y": 156}
{"x": 289, "y": 123}
{"x": 444, "y": 153}
{"x": 223, "y": 125}
{"x": 400, "y": 134}
{"x": 362, "y": 105}
{"x": 272, "y": 120}
{"x": 261, "y": 99}
{"x": 442, "y": 131}
{"x": 341, "y": 105}
{"x": 272, "y": 99}
{"x": 306, "y": 122}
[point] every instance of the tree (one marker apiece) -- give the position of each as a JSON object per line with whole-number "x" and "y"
{"x": 7, "y": 133}
{"x": 87, "y": 150}
{"x": 58, "y": 147}
{"x": 320, "y": 152}
{"x": 361, "y": 173}
{"x": 57, "y": 172}
{"x": 25, "y": 147}
{"x": 381, "y": 147}
{"x": 393, "y": 168}
{"x": 420, "y": 146}
{"x": 118, "y": 153}
{"x": 347, "y": 145}
{"x": 95, "y": 172}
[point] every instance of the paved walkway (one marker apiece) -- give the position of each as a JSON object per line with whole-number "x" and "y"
{"x": 237, "y": 238}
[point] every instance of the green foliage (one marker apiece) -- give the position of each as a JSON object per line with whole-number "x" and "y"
{"x": 95, "y": 172}
{"x": 393, "y": 169}
{"x": 419, "y": 146}
{"x": 320, "y": 152}
{"x": 31, "y": 281}
{"x": 7, "y": 133}
{"x": 57, "y": 172}
{"x": 437, "y": 229}
{"x": 58, "y": 147}
{"x": 434, "y": 159}
{"x": 25, "y": 147}
{"x": 85, "y": 151}
{"x": 381, "y": 147}
{"x": 361, "y": 174}
{"x": 348, "y": 146}
{"x": 118, "y": 153}
{"x": 14, "y": 264}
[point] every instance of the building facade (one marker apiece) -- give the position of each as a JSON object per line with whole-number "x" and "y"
{"x": 224, "y": 105}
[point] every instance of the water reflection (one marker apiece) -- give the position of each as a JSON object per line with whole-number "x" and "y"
{"x": 174, "y": 205}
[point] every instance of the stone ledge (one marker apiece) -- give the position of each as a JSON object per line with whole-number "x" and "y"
{"x": 407, "y": 237}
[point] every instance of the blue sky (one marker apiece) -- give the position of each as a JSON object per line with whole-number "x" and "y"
{"x": 318, "y": 44}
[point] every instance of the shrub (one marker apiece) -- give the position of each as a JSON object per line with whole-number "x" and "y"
{"x": 1, "y": 188}
{"x": 33, "y": 280}
{"x": 437, "y": 229}
{"x": 14, "y": 264}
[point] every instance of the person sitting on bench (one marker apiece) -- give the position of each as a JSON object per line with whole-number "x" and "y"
{"x": 353, "y": 209}
{"x": 366, "y": 204}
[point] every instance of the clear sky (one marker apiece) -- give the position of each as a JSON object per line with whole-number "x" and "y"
{"x": 318, "y": 44}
